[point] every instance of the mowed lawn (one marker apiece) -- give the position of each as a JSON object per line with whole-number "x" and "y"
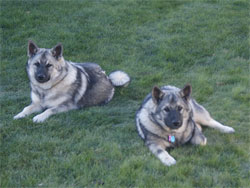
{"x": 157, "y": 42}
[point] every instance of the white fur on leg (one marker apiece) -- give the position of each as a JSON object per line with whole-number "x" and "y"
{"x": 43, "y": 116}
{"x": 162, "y": 154}
{"x": 204, "y": 142}
{"x": 227, "y": 129}
{"x": 219, "y": 126}
{"x": 20, "y": 115}
{"x": 166, "y": 159}
{"x": 28, "y": 110}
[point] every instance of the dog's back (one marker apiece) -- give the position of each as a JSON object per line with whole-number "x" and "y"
{"x": 99, "y": 88}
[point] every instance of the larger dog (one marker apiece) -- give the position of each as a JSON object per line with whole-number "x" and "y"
{"x": 58, "y": 85}
{"x": 169, "y": 117}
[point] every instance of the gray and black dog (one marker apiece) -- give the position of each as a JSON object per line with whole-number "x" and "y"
{"x": 169, "y": 117}
{"x": 58, "y": 85}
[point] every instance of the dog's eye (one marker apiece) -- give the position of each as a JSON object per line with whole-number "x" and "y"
{"x": 167, "y": 109}
{"x": 37, "y": 64}
{"x": 48, "y": 65}
{"x": 179, "y": 108}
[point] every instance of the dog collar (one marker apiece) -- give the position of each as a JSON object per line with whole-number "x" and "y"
{"x": 171, "y": 138}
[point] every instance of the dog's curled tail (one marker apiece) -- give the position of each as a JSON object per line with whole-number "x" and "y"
{"x": 119, "y": 78}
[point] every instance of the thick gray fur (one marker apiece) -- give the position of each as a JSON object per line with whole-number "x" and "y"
{"x": 58, "y": 85}
{"x": 170, "y": 111}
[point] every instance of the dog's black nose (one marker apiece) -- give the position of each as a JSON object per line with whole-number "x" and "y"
{"x": 41, "y": 77}
{"x": 176, "y": 123}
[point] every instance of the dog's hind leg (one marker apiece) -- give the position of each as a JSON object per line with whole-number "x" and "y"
{"x": 202, "y": 116}
{"x": 198, "y": 126}
{"x": 160, "y": 152}
{"x": 32, "y": 108}
{"x": 222, "y": 128}
{"x": 198, "y": 138}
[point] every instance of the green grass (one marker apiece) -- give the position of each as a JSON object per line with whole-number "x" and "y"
{"x": 157, "y": 42}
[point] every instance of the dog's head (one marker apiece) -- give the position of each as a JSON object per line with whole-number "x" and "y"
{"x": 44, "y": 64}
{"x": 172, "y": 106}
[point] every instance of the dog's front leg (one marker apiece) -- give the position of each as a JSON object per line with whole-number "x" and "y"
{"x": 50, "y": 111}
{"x": 32, "y": 108}
{"x": 161, "y": 154}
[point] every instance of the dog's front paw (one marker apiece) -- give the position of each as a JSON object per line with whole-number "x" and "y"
{"x": 167, "y": 160}
{"x": 227, "y": 129}
{"x": 39, "y": 118}
{"x": 19, "y": 115}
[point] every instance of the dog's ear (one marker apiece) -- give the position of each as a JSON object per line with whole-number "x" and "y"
{"x": 157, "y": 95}
{"x": 186, "y": 92}
{"x": 57, "y": 51}
{"x": 32, "y": 48}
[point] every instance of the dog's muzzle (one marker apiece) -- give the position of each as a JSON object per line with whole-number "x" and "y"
{"x": 173, "y": 123}
{"x": 42, "y": 78}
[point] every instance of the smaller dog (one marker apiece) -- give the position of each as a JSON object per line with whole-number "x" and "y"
{"x": 58, "y": 85}
{"x": 169, "y": 117}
